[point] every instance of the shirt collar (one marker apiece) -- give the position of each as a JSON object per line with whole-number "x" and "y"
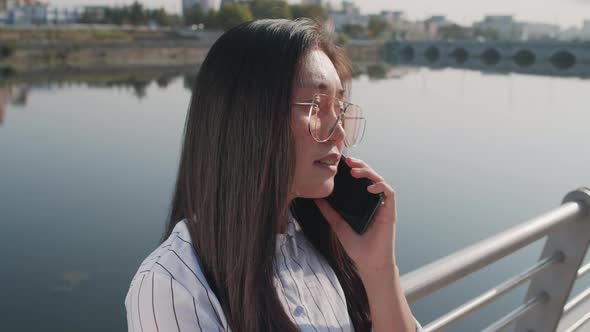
{"x": 292, "y": 229}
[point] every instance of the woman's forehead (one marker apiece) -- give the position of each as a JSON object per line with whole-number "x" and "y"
{"x": 318, "y": 72}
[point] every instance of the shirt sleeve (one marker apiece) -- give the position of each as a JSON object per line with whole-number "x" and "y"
{"x": 157, "y": 302}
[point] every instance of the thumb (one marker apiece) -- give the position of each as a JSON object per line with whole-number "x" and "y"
{"x": 338, "y": 224}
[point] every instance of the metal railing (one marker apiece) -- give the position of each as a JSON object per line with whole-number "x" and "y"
{"x": 567, "y": 229}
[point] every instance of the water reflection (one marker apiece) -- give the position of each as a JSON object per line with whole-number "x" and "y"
{"x": 135, "y": 78}
{"x": 71, "y": 280}
{"x": 14, "y": 89}
{"x": 560, "y": 64}
{"x": 16, "y": 86}
{"x": 14, "y": 95}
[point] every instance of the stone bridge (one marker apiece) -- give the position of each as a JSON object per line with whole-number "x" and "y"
{"x": 535, "y": 57}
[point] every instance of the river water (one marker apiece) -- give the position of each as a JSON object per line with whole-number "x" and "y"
{"x": 87, "y": 168}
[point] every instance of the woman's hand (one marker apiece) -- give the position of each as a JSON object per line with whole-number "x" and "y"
{"x": 374, "y": 250}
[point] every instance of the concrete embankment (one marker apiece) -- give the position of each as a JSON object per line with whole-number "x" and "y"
{"x": 30, "y": 52}
{"x": 106, "y": 55}
{"x": 25, "y": 50}
{"x": 111, "y": 54}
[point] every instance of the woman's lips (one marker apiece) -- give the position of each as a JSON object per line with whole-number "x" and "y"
{"x": 328, "y": 167}
{"x": 328, "y": 162}
{"x": 331, "y": 158}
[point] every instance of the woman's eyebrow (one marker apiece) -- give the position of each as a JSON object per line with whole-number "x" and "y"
{"x": 321, "y": 86}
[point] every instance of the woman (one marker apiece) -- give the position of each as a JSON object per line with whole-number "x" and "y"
{"x": 233, "y": 256}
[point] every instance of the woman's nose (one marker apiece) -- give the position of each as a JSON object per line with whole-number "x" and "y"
{"x": 339, "y": 133}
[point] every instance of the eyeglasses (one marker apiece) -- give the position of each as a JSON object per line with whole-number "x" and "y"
{"x": 326, "y": 112}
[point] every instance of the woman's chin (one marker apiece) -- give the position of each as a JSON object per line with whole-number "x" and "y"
{"x": 322, "y": 191}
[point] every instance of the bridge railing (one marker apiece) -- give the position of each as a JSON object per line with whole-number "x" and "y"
{"x": 567, "y": 229}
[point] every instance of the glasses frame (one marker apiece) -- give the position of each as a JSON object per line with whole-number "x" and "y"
{"x": 338, "y": 118}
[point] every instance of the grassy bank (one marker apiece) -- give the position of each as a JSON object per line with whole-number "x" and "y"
{"x": 16, "y": 36}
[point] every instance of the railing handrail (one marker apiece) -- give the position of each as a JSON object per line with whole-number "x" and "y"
{"x": 494, "y": 293}
{"x": 438, "y": 274}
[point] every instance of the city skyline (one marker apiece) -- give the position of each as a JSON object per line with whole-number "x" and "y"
{"x": 565, "y": 13}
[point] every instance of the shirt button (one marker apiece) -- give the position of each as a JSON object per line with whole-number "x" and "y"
{"x": 298, "y": 311}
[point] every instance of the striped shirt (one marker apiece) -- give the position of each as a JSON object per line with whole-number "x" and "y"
{"x": 170, "y": 293}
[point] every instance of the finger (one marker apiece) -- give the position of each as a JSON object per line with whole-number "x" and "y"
{"x": 382, "y": 187}
{"x": 366, "y": 173}
{"x": 388, "y": 202}
{"x": 353, "y": 162}
{"x": 335, "y": 220}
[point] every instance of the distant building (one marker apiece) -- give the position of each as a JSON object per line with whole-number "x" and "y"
{"x": 393, "y": 17}
{"x": 15, "y": 12}
{"x": 64, "y": 15}
{"x": 536, "y": 31}
{"x": 504, "y": 25}
{"x": 400, "y": 26}
{"x": 349, "y": 15}
{"x": 341, "y": 20}
{"x": 95, "y": 13}
{"x": 11, "y": 4}
{"x": 585, "y": 32}
{"x": 574, "y": 33}
{"x": 348, "y": 7}
{"x": 23, "y": 12}
{"x": 434, "y": 23}
{"x": 438, "y": 20}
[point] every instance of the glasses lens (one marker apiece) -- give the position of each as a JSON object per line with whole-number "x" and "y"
{"x": 354, "y": 125}
{"x": 324, "y": 115}
{"x": 315, "y": 124}
{"x": 324, "y": 119}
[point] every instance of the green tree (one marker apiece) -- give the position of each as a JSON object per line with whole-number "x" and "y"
{"x": 377, "y": 26}
{"x": 376, "y": 71}
{"x": 488, "y": 34}
{"x": 453, "y": 31}
{"x": 6, "y": 51}
{"x": 161, "y": 17}
{"x": 355, "y": 31}
{"x": 194, "y": 15}
{"x": 342, "y": 39}
{"x": 116, "y": 15}
{"x": 270, "y": 9}
{"x": 314, "y": 12}
{"x": 211, "y": 21}
{"x": 137, "y": 14}
{"x": 232, "y": 14}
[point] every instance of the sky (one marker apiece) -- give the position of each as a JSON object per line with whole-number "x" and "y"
{"x": 565, "y": 13}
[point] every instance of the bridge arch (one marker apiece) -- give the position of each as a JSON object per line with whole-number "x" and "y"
{"x": 460, "y": 55}
{"x": 524, "y": 58}
{"x": 563, "y": 59}
{"x": 408, "y": 53}
{"x": 491, "y": 57}
{"x": 432, "y": 54}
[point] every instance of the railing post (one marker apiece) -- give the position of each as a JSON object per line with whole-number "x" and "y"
{"x": 572, "y": 240}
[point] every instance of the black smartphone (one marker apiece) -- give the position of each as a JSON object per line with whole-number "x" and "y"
{"x": 352, "y": 200}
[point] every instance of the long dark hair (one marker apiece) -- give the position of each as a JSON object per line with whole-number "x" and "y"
{"x": 237, "y": 165}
